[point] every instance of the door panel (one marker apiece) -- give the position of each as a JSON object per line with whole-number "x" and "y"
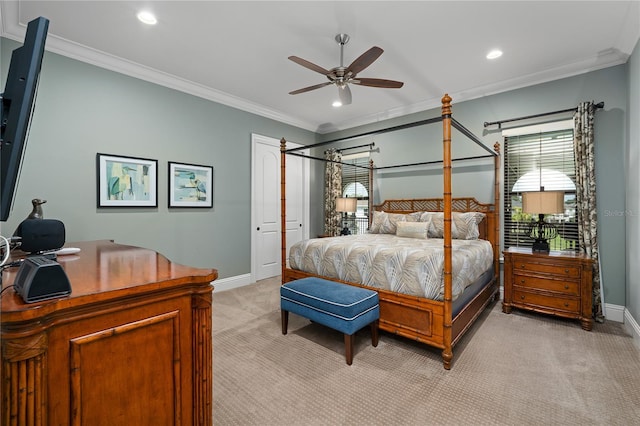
{"x": 266, "y": 255}
{"x": 267, "y": 210}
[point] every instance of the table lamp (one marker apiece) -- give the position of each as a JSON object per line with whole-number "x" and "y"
{"x": 346, "y": 205}
{"x": 541, "y": 203}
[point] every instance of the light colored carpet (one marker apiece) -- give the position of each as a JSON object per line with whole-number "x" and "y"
{"x": 515, "y": 369}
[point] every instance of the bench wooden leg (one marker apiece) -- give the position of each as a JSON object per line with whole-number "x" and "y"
{"x": 374, "y": 333}
{"x": 348, "y": 348}
{"x": 284, "y": 316}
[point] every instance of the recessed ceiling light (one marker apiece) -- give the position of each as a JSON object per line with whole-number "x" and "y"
{"x": 336, "y": 104}
{"x": 495, "y": 53}
{"x": 147, "y": 18}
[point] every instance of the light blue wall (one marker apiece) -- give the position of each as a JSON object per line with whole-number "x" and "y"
{"x": 632, "y": 169}
{"x": 82, "y": 110}
{"x": 476, "y": 178}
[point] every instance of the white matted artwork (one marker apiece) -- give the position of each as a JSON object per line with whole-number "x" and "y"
{"x": 126, "y": 181}
{"x": 190, "y": 185}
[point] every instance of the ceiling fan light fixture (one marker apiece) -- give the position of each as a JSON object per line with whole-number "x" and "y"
{"x": 336, "y": 104}
{"x": 342, "y": 76}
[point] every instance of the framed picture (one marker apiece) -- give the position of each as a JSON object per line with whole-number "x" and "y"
{"x": 190, "y": 185}
{"x": 126, "y": 181}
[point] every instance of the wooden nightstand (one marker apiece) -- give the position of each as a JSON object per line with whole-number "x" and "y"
{"x": 555, "y": 283}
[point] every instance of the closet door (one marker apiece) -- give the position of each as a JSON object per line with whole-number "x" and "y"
{"x": 266, "y": 238}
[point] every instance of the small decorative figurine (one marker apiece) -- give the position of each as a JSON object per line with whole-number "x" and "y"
{"x": 36, "y": 213}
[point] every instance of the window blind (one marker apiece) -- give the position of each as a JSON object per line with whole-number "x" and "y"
{"x": 532, "y": 162}
{"x": 355, "y": 176}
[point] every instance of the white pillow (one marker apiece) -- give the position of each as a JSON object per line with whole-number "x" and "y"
{"x": 412, "y": 229}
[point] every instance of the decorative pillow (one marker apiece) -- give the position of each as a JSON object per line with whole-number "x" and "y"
{"x": 415, "y": 216}
{"x": 412, "y": 229}
{"x": 466, "y": 225}
{"x": 385, "y": 223}
{"x": 436, "y": 224}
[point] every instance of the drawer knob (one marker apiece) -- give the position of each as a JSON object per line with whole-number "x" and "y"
{"x": 566, "y": 271}
{"x": 566, "y": 305}
{"x": 566, "y": 287}
{"x": 522, "y": 266}
{"x": 522, "y": 281}
{"x": 522, "y": 297}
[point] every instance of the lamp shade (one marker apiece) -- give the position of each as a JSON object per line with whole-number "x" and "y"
{"x": 543, "y": 202}
{"x": 346, "y": 205}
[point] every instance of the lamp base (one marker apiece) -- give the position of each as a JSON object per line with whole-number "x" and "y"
{"x": 541, "y": 246}
{"x": 542, "y": 232}
{"x": 345, "y": 230}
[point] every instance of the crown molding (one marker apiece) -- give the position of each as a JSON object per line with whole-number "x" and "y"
{"x": 11, "y": 28}
{"x": 605, "y": 59}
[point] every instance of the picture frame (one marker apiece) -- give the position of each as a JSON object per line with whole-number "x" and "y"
{"x": 126, "y": 181}
{"x": 190, "y": 185}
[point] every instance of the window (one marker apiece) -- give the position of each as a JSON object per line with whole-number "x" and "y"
{"x": 355, "y": 183}
{"x": 535, "y": 160}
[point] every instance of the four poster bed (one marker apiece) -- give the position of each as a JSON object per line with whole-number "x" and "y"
{"x": 434, "y": 262}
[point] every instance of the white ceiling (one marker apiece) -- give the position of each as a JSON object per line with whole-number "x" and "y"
{"x": 235, "y": 52}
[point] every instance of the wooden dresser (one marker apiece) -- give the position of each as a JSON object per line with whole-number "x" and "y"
{"x": 131, "y": 345}
{"x": 555, "y": 283}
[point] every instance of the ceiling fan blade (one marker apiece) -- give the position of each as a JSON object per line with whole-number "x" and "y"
{"x": 364, "y": 60}
{"x": 309, "y": 65}
{"x": 306, "y": 89}
{"x": 378, "y": 82}
{"x": 345, "y": 94}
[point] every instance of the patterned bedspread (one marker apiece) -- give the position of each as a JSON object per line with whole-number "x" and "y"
{"x": 404, "y": 265}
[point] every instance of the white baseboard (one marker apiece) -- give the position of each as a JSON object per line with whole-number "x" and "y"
{"x": 231, "y": 282}
{"x": 621, "y": 314}
{"x": 632, "y": 327}
{"x": 614, "y": 312}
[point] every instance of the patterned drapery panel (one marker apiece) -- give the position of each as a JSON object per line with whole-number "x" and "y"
{"x": 586, "y": 195}
{"x": 332, "y": 191}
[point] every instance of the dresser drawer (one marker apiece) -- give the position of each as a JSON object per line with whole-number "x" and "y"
{"x": 569, "y": 271}
{"x": 571, "y": 288}
{"x": 544, "y": 301}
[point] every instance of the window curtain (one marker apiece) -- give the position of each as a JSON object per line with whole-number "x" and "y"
{"x": 586, "y": 195}
{"x": 332, "y": 191}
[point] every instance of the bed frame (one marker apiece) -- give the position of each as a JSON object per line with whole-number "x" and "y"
{"x": 425, "y": 320}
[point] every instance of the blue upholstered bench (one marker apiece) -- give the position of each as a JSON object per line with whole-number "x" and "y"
{"x": 339, "y": 306}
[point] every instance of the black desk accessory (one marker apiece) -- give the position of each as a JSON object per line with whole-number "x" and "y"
{"x": 41, "y": 278}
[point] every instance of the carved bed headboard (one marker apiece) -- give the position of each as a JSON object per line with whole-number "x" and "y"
{"x": 488, "y": 228}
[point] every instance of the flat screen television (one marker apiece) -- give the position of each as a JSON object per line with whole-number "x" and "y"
{"x": 18, "y": 100}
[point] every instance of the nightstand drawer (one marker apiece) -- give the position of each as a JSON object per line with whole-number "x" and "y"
{"x": 571, "y": 288}
{"x": 543, "y": 301}
{"x": 558, "y": 270}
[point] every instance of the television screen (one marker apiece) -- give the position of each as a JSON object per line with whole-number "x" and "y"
{"x": 18, "y": 100}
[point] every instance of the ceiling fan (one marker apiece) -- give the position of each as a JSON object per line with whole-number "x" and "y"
{"x": 343, "y": 76}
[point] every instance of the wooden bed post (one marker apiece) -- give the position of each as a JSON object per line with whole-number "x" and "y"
{"x": 447, "y": 353}
{"x": 496, "y": 203}
{"x": 283, "y": 205}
